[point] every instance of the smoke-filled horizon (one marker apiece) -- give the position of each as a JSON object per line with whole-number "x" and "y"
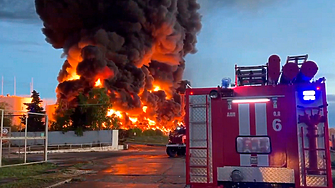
{"x": 132, "y": 46}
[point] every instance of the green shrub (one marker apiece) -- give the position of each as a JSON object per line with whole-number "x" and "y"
{"x": 159, "y": 132}
{"x": 135, "y": 132}
{"x": 149, "y": 132}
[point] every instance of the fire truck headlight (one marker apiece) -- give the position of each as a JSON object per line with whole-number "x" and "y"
{"x": 236, "y": 176}
{"x": 214, "y": 94}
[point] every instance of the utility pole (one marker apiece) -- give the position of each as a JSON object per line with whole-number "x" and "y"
{"x": 2, "y": 86}
{"x": 32, "y": 85}
{"x": 14, "y": 86}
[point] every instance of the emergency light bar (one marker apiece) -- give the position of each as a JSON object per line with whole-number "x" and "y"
{"x": 250, "y": 100}
{"x": 309, "y": 95}
{"x": 308, "y": 92}
{"x": 309, "y": 98}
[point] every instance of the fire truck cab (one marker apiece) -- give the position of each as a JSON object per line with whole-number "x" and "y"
{"x": 176, "y": 146}
{"x": 269, "y": 130}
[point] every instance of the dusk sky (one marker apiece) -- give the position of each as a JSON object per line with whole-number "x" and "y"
{"x": 234, "y": 32}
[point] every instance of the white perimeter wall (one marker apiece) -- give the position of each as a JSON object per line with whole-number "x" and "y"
{"x": 59, "y": 138}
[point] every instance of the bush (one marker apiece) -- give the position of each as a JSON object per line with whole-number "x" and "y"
{"x": 159, "y": 132}
{"x": 149, "y": 132}
{"x": 135, "y": 132}
{"x": 123, "y": 134}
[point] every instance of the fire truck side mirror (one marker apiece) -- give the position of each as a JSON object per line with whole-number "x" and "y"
{"x": 221, "y": 92}
{"x": 214, "y": 94}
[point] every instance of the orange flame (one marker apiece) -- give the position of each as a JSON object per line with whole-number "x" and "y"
{"x": 142, "y": 119}
{"x": 73, "y": 76}
{"x": 144, "y": 108}
{"x": 157, "y": 88}
{"x": 113, "y": 112}
{"x": 73, "y": 58}
{"x": 98, "y": 83}
{"x": 138, "y": 121}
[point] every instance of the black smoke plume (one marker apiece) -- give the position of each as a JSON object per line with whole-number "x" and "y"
{"x": 132, "y": 45}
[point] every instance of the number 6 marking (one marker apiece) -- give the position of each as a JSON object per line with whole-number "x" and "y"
{"x": 277, "y": 125}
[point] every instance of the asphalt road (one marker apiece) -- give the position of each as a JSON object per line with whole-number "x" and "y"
{"x": 140, "y": 166}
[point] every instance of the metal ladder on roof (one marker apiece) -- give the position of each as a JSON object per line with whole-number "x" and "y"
{"x": 298, "y": 59}
{"x": 251, "y": 75}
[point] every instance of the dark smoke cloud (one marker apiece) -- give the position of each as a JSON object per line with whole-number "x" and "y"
{"x": 131, "y": 44}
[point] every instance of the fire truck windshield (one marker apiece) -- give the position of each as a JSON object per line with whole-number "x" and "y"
{"x": 253, "y": 144}
{"x": 180, "y": 130}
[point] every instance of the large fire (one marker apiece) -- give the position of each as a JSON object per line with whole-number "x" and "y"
{"x": 138, "y": 120}
{"x": 130, "y": 120}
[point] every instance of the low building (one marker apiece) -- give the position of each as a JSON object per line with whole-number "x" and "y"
{"x": 15, "y": 105}
{"x": 17, "y": 108}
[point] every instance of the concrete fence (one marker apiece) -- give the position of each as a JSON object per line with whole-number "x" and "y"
{"x": 68, "y": 138}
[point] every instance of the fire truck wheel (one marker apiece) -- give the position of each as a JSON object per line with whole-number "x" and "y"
{"x": 181, "y": 152}
{"x": 172, "y": 152}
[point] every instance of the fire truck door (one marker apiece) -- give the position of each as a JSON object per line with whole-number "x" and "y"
{"x": 254, "y": 134}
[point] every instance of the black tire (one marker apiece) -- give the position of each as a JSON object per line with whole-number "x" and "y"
{"x": 172, "y": 151}
{"x": 181, "y": 152}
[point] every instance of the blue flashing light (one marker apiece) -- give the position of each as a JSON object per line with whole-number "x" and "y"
{"x": 225, "y": 82}
{"x": 309, "y": 95}
{"x": 309, "y": 98}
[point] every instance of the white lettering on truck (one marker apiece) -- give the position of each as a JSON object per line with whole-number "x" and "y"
{"x": 276, "y": 123}
{"x": 231, "y": 114}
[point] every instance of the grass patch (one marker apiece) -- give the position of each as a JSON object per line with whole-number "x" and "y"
{"x": 32, "y": 182}
{"x": 24, "y": 171}
{"x": 27, "y": 176}
{"x": 12, "y": 161}
{"x": 162, "y": 140}
{"x": 35, "y": 175}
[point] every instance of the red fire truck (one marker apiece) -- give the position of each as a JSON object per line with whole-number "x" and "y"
{"x": 176, "y": 146}
{"x": 268, "y": 130}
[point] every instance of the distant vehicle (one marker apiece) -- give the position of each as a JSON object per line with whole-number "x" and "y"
{"x": 176, "y": 146}
{"x": 266, "y": 131}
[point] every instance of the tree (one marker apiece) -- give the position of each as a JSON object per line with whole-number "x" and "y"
{"x": 96, "y": 106}
{"x": 35, "y": 122}
{"x": 90, "y": 113}
{"x": 62, "y": 118}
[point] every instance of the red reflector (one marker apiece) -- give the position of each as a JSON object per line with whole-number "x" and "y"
{"x": 191, "y": 93}
{"x": 317, "y": 88}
